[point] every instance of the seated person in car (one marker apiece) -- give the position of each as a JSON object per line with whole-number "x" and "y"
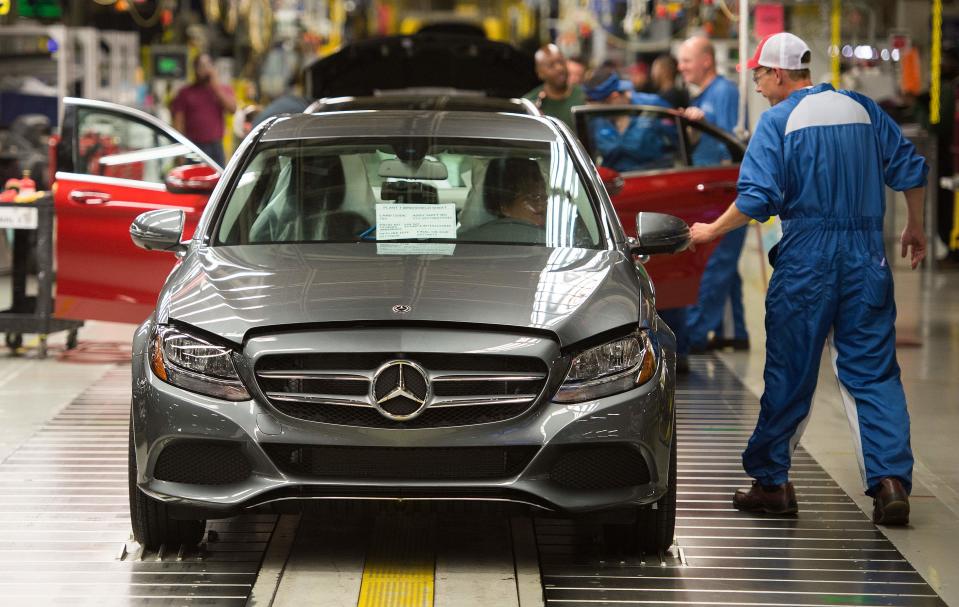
{"x": 514, "y": 191}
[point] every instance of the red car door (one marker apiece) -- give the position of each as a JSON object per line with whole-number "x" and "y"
{"x": 113, "y": 163}
{"x": 659, "y": 175}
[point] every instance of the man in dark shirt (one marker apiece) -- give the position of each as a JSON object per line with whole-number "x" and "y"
{"x": 555, "y": 97}
{"x": 663, "y": 74}
{"x": 198, "y": 109}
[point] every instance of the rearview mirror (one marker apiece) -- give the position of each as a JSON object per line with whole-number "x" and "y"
{"x": 428, "y": 169}
{"x": 660, "y": 233}
{"x": 192, "y": 179}
{"x": 159, "y": 230}
{"x": 612, "y": 180}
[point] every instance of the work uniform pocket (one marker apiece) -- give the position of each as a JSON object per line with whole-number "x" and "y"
{"x": 877, "y": 283}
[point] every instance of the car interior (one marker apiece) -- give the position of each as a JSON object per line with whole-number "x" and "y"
{"x": 297, "y": 193}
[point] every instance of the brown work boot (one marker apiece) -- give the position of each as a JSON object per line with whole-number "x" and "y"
{"x": 891, "y": 503}
{"x": 780, "y": 499}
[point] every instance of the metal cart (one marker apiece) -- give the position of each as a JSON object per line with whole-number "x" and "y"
{"x": 28, "y": 313}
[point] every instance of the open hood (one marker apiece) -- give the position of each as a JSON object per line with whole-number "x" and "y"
{"x": 430, "y": 60}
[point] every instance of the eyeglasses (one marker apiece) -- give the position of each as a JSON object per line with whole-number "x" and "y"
{"x": 758, "y": 75}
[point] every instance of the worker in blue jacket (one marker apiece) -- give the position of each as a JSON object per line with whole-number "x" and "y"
{"x": 627, "y": 142}
{"x": 718, "y": 104}
{"x": 819, "y": 159}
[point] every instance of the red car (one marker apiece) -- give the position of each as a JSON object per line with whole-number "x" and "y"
{"x": 113, "y": 163}
{"x": 667, "y": 180}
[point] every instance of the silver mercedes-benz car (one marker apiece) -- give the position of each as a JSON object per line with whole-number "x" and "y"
{"x": 419, "y": 305}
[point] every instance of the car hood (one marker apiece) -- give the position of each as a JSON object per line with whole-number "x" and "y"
{"x": 571, "y": 293}
{"x": 423, "y": 61}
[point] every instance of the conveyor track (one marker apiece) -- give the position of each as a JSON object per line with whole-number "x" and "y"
{"x": 65, "y": 532}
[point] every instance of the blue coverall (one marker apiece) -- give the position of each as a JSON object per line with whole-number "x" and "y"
{"x": 819, "y": 160}
{"x": 721, "y": 281}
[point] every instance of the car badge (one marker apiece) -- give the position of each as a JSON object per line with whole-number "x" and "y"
{"x": 400, "y": 390}
{"x": 402, "y": 308}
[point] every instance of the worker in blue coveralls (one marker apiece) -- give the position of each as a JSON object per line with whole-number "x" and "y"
{"x": 627, "y": 142}
{"x": 717, "y": 104}
{"x": 819, "y": 159}
{"x": 636, "y": 142}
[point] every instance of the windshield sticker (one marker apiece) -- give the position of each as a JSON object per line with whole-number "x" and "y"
{"x": 415, "y": 221}
{"x": 414, "y": 248}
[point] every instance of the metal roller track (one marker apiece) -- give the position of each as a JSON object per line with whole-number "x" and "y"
{"x": 65, "y": 527}
{"x": 831, "y": 554}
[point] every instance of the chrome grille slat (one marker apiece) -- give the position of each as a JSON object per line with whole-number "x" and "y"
{"x": 484, "y": 400}
{"x": 436, "y": 376}
{"x": 317, "y": 399}
{"x": 300, "y": 374}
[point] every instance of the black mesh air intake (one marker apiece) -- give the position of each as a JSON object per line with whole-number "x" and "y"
{"x": 202, "y": 463}
{"x": 600, "y": 467}
{"x": 401, "y": 463}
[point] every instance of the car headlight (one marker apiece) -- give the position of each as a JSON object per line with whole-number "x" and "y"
{"x": 196, "y": 365}
{"x": 614, "y": 367}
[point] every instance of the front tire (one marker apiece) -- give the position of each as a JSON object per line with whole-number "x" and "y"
{"x": 655, "y": 527}
{"x": 152, "y": 525}
{"x": 651, "y": 532}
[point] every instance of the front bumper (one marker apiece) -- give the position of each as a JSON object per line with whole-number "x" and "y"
{"x": 637, "y": 424}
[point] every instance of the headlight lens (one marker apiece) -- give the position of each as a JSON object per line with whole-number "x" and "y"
{"x": 611, "y": 368}
{"x": 196, "y": 365}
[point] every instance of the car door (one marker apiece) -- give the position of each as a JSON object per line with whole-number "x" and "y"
{"x": 656, "y": 165}
{"x": 114, "y": 163}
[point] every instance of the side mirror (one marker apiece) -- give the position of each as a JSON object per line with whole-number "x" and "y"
{"x": 192, "y": 179}
{"x": 613, "y": 181}
{"x": 159, "y": 230}
{"x": 660, "y": 233}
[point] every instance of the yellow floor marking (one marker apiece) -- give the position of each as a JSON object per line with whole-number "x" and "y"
{"x": 400, "y": 563}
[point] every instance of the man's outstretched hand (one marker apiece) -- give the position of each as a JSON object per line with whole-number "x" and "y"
{"x": 700, "y": 233}
{"x": 913, "y": 242}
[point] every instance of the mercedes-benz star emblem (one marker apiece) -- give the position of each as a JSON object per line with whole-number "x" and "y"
{"x": 400, "y": 390}
{"x": 402, "y": 308}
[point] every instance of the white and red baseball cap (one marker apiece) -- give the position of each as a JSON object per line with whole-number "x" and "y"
{"x": 782, "y": 50}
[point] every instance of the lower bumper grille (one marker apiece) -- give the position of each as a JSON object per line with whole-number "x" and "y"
{"x": 600, "y": 467}
{"x": 401, "y": 463}
{"x": 202, "y": 463}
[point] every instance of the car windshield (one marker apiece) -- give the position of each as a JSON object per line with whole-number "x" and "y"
{"x": 410, "y": 190}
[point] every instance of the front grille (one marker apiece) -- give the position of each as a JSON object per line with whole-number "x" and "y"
{"x": 600, "y": 467}
{"x": 467, "y": 389}
{"x": 202, "y": 463}
{"x": 401, "y": 463}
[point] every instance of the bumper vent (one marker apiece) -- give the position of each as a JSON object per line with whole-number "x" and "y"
{"x": 600, "y": 467}
{"x": 467, "y": 389}
{"x": 401, "y": 463}
{"x": 202, "y": 463}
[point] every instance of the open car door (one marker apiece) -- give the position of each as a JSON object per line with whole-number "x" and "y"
{"x": 663, "y": 163}
{"x": 114, "y": 163}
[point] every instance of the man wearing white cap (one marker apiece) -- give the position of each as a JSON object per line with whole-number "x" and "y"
{"x": 819, "y": 159}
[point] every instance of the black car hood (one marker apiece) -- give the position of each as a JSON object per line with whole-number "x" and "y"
{"x": 423, "y": 61}
{"x": 573, "y": 294}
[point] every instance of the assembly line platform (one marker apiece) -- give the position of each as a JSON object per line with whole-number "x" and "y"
{"x": 65, "y": 534}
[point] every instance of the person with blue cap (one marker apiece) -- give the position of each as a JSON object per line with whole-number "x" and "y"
{"x": 820, "y": 159}
{"x": 721, "y": 286}
{"x": 627, "y": 142}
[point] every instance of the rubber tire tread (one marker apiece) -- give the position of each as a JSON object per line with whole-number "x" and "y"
{"x": 655, "y": 528}
{"x": 152, "y": 526}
